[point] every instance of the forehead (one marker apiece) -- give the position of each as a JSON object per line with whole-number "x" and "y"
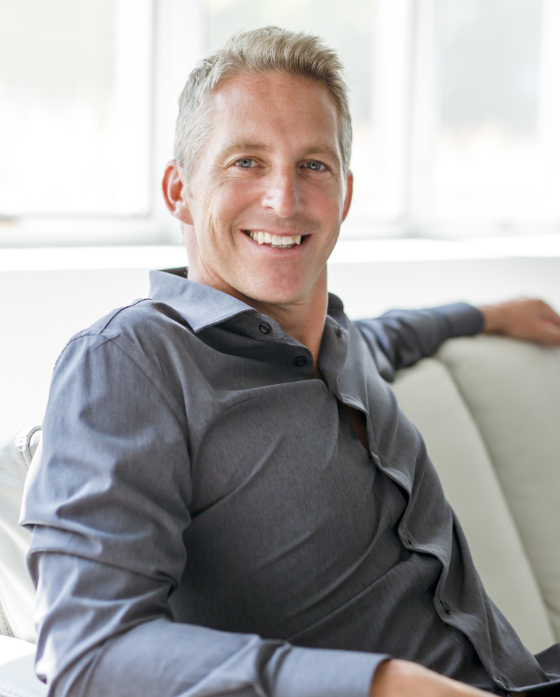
{"x": 274, "y": 105}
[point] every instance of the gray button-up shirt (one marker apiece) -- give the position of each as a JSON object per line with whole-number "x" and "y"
{"x": 206, "y": 521}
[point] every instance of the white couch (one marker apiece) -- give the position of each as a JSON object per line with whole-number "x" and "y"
{"x": 489, "y": 410}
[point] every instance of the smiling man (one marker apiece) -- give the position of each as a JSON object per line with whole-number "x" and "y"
{"x": 229, "y": 500}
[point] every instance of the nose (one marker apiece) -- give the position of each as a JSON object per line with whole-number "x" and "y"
{"x": 283, "y": 194}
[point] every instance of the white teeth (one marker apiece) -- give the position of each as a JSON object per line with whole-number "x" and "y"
{"x": 275, "y": 240}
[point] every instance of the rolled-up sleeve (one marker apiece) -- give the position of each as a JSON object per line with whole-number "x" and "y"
{"x": 109, "y": 504}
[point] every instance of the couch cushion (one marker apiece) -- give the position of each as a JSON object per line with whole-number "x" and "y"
{"x": 17, "y": 593}
{"x": 513, "y": 391}
{"x": 17, "y": 669}
{"x": 429, "y": 397}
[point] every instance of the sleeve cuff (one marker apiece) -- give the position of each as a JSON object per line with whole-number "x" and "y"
{"x": 326, "y": 673}
{"x": 461, "y": 319}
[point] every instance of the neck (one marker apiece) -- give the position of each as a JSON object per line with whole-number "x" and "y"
{"x": 303, "y": 320}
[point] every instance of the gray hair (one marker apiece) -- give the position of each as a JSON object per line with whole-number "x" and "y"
{"x": 258, "y": 51}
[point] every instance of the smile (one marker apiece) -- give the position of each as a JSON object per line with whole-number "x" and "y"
{"x": 276, "y": 241}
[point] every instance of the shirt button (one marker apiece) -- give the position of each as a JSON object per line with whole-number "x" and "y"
{"x": 339, "y": 332}
{"x": 300, "y": 361}
{"x": 264, "y": 328}
{"x": 407, "y": 538}
{"x": 445, "y": 607}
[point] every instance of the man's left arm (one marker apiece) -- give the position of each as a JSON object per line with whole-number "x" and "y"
{"x": 401, "y": 338}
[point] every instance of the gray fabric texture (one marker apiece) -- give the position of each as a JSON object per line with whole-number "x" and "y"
{"x": 206, "y": 521}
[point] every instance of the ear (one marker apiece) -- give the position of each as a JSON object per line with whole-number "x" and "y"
{"x": 348, "y": 197}
{"x": 174, "y": 193}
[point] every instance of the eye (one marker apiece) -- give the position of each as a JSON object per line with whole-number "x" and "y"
{"x": 245, "y": 163}
{"x": 315, "y": 166}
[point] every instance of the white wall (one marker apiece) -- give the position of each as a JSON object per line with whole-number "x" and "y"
{"x": 371, "y": 288}
{"x": 40, "y": 309}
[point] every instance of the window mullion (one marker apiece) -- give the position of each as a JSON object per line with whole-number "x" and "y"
{"x": 423, "y": 123}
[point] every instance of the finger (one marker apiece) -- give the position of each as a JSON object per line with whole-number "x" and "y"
{"x": 548, "y": 333}
{"x": 549, "y": 315}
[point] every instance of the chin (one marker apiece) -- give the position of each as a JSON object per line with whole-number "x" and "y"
{"x": 273, "y": 293}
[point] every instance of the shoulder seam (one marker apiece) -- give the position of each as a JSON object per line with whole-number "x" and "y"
{"x": 117, "y": 312}
{"x": 99, "y": 332}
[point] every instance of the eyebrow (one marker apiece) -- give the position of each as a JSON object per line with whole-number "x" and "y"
{"x": 241, "y": 145}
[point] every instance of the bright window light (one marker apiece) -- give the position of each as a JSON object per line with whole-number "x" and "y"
{"x": 75, "y": 90}
{"x": 496, "y": 149}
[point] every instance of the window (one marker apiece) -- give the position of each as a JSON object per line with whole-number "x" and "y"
{"x": 486, "y": 147}
{"x": 75, "y": 95}
{"x": 455, "y": 106}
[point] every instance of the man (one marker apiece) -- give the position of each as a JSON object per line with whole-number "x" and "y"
{"x": 227, "y": 456}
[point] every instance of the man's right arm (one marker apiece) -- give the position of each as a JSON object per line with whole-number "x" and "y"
{"x": 109, "y": 503}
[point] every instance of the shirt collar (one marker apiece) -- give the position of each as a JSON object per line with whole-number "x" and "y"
{"x": 203, "y": 306}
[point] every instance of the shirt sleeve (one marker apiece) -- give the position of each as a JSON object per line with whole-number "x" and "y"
{"x": 401, "y": 338}
{"x": 109, "y": 503}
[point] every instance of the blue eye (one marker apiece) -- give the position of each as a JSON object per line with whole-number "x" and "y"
{"x": 245, "y": 163}
{"x": 315, "y": 166}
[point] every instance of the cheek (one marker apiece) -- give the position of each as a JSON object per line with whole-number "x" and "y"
{"x": 226, "y": 204}
{"x": 327, "y": 203}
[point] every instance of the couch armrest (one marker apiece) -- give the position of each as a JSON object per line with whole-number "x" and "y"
{"x": 17, "y": 669}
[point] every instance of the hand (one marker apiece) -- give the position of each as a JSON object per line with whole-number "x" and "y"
{"x": 529, "y": 319}
{"x": 396, "y": 678}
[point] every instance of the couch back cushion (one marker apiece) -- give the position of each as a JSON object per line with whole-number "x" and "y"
{"x": 512, "y": 389}
{"x": 429, "y": 397}
{"x": 17, "y": 593}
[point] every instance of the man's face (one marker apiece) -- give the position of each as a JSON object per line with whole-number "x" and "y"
{"x": 271, "y": 170}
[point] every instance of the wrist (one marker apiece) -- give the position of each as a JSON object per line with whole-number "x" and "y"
{"x": 491, "y": 318}
{"x": 387, "y": 676}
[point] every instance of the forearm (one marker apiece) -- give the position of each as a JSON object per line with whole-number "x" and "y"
{"x": 171, "y": 659}
{"x": 406, "y": 336}
{"x": 106, "y": 632}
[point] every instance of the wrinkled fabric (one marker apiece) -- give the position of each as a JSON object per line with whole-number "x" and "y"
{"x": 206, "y": 521}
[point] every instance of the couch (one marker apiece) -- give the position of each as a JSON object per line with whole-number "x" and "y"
{"x": 489, "y": 410}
